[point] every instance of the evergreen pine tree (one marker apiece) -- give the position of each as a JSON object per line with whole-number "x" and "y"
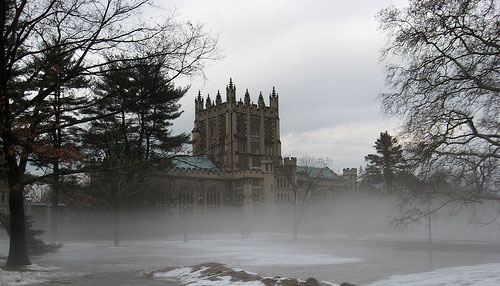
{"x": 388, "y": 163}
{"x": 58, "y": 109}
{"x": 126, "y": 144}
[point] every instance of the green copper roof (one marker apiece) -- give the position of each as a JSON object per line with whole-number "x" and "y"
{"x": 188, "y": 162}
{"x": 316, "y": 172}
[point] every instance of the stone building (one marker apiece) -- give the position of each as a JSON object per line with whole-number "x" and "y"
{"x": 237, "y": 160}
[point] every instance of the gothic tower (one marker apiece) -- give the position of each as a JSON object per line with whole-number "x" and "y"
{"x": 237, "y": 135}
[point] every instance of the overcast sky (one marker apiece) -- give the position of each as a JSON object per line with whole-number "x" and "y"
{"x": 323, "y": 58}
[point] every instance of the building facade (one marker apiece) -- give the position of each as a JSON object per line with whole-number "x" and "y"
{"x": 237, "y": 161}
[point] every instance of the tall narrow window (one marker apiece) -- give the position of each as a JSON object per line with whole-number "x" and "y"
{"x": 254, "y": 127}
{"x": 212, "y": 129}
{"x": 213, "y": 197}
{"x": 222, "y": 125}
{"x": 242, "y": 145}
{"x": 255, "y": 147}
{"x": 240, "y": 125}
{"x": 186, "y": 196}
{"x": 203, "y": 131}
{"x": 269, "y": 149}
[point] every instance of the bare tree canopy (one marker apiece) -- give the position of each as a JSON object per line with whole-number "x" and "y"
{"x": 443, "y": 63}
{"x": 311, "y": 181}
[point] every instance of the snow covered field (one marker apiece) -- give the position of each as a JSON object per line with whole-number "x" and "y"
{"x": 363, "y": 261}
{"x": 480, "y": 275}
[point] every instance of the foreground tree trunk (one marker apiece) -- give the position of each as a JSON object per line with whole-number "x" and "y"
{"x": 18, "y": 254}
{"x": 295, "y": 217}
{"x": 54, "y": 220}
{"x": 429, "y": 228}
{"x": 54, "y": 209}
{"x": 116, "y": 228}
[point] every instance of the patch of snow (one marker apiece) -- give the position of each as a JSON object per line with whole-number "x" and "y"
{"x": 36, "y": 267}
{"x": 225, "y": 281}
{"x": 186, "y": 275}
{"x": 480, "y": 275}
{"x": 179, "y": 272}
{"x": 31, "y": 275}
{"x": 20, "y": 278}
{"x": 212, "y": 274}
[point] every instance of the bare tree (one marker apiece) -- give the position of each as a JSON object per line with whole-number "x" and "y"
{"x": 93, "y": 31}
{"x": 443, "y": 62}
{"x": 421, "y": 199}
{"x": 310, "y": 182}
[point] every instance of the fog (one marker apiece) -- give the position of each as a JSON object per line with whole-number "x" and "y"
{"x": 346, "y": 239}
{"x": 362, "y": 216}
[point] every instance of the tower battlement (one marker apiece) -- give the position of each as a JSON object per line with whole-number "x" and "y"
{"x": 350, "y": 175}
{"x": 349, "y": 171}
{"x": 290, "y": 161}
{"x": 208, "y": 104}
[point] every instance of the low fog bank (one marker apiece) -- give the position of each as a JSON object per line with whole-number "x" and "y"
{"x": 342, "y": 240}
{"x": 356, "y": 218}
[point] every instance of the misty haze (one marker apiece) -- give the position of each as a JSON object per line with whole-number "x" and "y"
{"x": 252, "y": 143}
{"x": 348, "y": 241}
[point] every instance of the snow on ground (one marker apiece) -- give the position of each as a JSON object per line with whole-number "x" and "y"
{"x": 217, "y": 274}
{"x": 354, "y": 260}
{"x": 195, "y": 277}
{"x": 30, "y": 275}
{"x": 478, "y": 275}
{"x": 15, "y": 278}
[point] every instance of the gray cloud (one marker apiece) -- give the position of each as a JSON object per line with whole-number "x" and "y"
{"x": 322, "y": 56}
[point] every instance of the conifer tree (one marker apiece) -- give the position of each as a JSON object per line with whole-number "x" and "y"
{"x": 126, "y": 145}
{"x": 60, "y": 108}
{"x": 35, "y": 246}
{"x": 388, "y": 163}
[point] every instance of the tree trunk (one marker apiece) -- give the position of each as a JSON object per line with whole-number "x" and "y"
{"x": 54, "y": 209}
{"x": 295, "y": 218}
{"x": 429, "y": 221}
{"x": 18, "y": 254}
{"x": 116, "y": 228}
{"x": 54, "y": 220}
{"x": 57, "y": 138}
{"x": 185, "y": 224}
{"x": 295, "y": 229}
